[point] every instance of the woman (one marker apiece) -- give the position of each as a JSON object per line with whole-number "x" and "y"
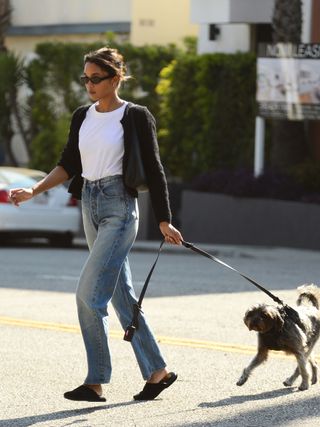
{"x": 95, "y": 157}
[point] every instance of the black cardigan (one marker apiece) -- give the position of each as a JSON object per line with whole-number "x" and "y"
{"x": 70, "y": 158}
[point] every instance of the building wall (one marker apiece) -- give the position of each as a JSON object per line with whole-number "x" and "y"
{"x": 161, "y": 22}
{"x": 48, "y": 12}
{"x": 231, "y": 11}
{"x": 234, "y": 18}
{"x": 36, "y": 21}
{"x": 232, "y": 38}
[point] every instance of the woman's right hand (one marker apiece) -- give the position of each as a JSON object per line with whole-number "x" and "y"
{"x": 57, "y": 176}
{"x": 18, "y": 195}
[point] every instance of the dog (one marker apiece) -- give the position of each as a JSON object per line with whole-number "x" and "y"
{"x": 279, "y": 331}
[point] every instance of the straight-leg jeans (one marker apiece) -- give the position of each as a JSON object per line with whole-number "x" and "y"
{"x": 110, "y": 218}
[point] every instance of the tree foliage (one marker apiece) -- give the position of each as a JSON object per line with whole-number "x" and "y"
{"x": 287, "y": 21}
{"x": 5, "y": 125}
{"x": 5, "y": 17}
{"x": 11, "y": 115}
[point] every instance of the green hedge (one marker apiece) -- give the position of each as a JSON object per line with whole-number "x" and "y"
{"x": 207, "y": 113}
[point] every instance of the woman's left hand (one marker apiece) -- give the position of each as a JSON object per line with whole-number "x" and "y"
{"x": 170, "y": 233}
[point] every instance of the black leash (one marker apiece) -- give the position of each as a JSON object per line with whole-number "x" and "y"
{"x": 213, "y": 258}
{"x": 129, "y": 332}
{"x": 288, "y": 311}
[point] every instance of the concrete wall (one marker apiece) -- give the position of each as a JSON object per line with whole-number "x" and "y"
{"x": 36, "y": 21}
{"x": 232, "y": 38}
{"x": 233, "y": 18}
{"x": 231, "y": 11}
{"x": 49, "y": 12}
{"x": 218, "y": 218}
{"x": 161, "y": 22}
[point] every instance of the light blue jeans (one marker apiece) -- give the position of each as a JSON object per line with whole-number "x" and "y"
{"x": 110, "y": 218}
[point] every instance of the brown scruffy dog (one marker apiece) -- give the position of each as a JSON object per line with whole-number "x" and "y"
{"x": 278, "y": 331}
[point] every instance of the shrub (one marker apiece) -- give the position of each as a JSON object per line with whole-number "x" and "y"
{"x": 48, "y": 144}
{"x": 11, "y": 114}
{"x": 207, "y": 113}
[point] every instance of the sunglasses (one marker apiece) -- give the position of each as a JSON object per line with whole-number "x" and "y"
{"x": 94, "y": 80}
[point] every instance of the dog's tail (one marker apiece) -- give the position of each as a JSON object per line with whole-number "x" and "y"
{"x": 309, "y": 293}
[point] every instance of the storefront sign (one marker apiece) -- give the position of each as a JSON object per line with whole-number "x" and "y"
{"x": 288, "y": 81}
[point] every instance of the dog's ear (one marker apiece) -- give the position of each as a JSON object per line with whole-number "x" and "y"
{"x": 246, "y": 321}
{"x": 247, "y": 318}
{"x": 251, "y": 315}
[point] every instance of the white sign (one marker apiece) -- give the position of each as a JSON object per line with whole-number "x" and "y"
{"x": 288, "y": 81}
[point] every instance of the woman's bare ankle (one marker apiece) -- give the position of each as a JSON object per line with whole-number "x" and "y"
{"x": 95, "y": 387}
{"x": 157, "y": 376}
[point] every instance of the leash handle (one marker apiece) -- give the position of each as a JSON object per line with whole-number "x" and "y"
{"x": 191, "y": 246}
{"x": 129, "y": 332}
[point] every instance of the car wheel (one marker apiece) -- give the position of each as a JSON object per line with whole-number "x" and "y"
{"x": 61, "y": 240}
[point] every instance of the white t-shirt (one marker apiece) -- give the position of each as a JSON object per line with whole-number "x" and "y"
{"x": 101, "y": 143}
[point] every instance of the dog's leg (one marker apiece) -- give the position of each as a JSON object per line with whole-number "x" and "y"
{"x": 302, "y": 363}
{"x": 313, "y": 363}
{"x": 290, "y": 380}
{"x": 314, "y": 378}
{"x": 260, "y": 357}
{"x": 314, "y": 367}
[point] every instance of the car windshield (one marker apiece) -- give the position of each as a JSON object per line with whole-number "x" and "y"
{"x": 13, "y": 178}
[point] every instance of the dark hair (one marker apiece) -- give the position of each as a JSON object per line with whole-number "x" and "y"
{"x": 109, "y": 60}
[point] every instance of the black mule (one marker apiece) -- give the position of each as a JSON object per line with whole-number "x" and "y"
{"x": 85, "y": 394}
{"x": 151, "y": 391}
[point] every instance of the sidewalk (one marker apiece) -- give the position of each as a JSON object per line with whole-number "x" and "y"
{"x": 218, "y": 250}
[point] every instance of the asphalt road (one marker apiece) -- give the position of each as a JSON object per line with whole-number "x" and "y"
{"x": 195, "y": 308}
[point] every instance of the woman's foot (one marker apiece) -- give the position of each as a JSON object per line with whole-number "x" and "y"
{"x": 86, "y": 393}
{"x": 152, "y": 389}
{"x": 95, "y": 387}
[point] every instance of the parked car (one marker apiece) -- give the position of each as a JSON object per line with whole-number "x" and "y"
{"x": 53, "y": 214}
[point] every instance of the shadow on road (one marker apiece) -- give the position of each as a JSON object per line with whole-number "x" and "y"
{"x": 235, "y": 400}
{"x": 274, "y": 415}
{"x": 60, "y": 415}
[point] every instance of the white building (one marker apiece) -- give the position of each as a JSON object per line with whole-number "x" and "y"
{"x": 34, "y": 21}
{"x": 238, "y": 25}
